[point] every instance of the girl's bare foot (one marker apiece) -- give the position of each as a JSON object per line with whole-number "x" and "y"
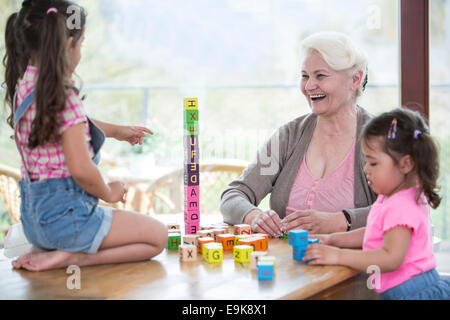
{"x": 43, "y": 260}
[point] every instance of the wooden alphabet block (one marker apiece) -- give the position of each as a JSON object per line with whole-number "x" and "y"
{"x": 213, "y": 252}
{"x": 192, "y": 178}
{"x": 201, "y": 241}
{"x": 217, "y": 232}
{"x": 260, "y": 243}
{"x": 298, "y": 238}
{"x": 190, "y": 116}
{"x": 242, "y": 229}
{"x": 254, "y": 258}
{"x": 191, "y": 149}
{"x": 270, "y": 259}
{"x": 190, "y": 239}
{"x": 173, "y": 241}
{"x": 266, "y": 270}
{"x": 250, "y": 241}
{"x": 298, "y": 253}
{"x": 192, "y": 129}
{"x": 227, "y": 240}
{"x": 265, "y": 243}
{"x": 191, "y": 197}
{"x": 187, "y": 253}
{"x": 206, "y": 233}
{"x": 191, "y": 228}
{"x": 241, "y": 253}
{"x": 239, "y": 237}
{"x": 173, "y": 226}
{"x": 191, "y": 104}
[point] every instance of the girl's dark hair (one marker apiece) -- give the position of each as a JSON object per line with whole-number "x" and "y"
{"x": 34, "y": 34}
{"x": 408, "y": 141}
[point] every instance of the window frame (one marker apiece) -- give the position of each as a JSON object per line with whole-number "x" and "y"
{"x": 414, "y": 56}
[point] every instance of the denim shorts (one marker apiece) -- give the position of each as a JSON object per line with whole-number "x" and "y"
{"x": 425, "y": 286}
{"x": 58, "y": 215}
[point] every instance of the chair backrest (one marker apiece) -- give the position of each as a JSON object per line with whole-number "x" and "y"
{"x": 10, "y": 192}
{"x": 167, "y": 192}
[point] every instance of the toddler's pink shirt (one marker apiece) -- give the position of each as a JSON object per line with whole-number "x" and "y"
{"x": 330, "y": 194}
{"x": 47, "y": 161}
{"x": 401, "y": 209}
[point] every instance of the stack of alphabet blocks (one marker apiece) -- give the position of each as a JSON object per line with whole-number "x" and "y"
{"x": 191, "y": 167}
{"x": 299, "y": 241}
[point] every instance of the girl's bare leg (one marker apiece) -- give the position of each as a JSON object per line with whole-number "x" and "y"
{"x": 132, "y": 237}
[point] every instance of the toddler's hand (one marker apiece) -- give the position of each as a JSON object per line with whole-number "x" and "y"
{"x": 118, "y": 192}
{"x": 320, "y": 254}
{"x": 323, "y": 238}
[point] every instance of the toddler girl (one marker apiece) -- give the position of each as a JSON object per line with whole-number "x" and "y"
{"x": 402, "y": 167}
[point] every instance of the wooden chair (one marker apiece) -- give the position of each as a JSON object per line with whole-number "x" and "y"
{"x": 10, "y": 192}
{"x": 166, "y": 194}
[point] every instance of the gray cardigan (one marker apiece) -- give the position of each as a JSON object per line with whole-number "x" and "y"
{"x": 276, "y": 173}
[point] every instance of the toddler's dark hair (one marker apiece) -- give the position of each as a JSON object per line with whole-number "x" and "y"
{"x": 32, "y": 33}
{"x": 412, "y": 137}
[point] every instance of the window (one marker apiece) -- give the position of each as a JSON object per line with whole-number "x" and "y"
{"x": 439, "y": 13}
{"x": 241, "y": 59}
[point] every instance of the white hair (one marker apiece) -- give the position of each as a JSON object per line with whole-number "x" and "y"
{"x": 339, "y": 52}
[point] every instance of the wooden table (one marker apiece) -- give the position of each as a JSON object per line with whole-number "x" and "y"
{"x": 165, "y": 277}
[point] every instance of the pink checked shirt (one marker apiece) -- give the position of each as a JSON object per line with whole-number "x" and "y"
{"x": 47, "y": 161}
{"x": 401, "y": 209}
{"x": 330, "y": 194}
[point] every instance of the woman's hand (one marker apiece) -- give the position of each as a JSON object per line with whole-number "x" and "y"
{"x": 322, "y": 254}
{"x": 315, "y": 221}
{"x": 265, "y": 222}
{"x": 117, "y": 192}
{"x": 131, "y": 134}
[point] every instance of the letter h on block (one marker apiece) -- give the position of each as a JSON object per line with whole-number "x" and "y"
{"x": 173, "y": 241}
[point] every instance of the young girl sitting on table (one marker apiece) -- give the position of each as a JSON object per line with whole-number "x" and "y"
{"x": 402, "y": 168}
{"x": 59, "y": 147}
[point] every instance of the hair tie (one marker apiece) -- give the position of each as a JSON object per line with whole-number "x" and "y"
{"x": 392, "y": 129}
{"x": 417, "y": 133}
{"x": 52, "y": 10}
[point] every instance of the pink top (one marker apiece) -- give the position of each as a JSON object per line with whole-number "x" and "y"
{"x": 401, "y": 209}
{"x": 330, "y": 194}
{"x": 47, "y": 161}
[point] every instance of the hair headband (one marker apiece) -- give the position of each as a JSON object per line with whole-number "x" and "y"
{"x": 52, "y": 10}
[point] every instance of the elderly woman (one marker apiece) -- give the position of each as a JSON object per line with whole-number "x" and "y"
{"x": 313, "y": 165}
